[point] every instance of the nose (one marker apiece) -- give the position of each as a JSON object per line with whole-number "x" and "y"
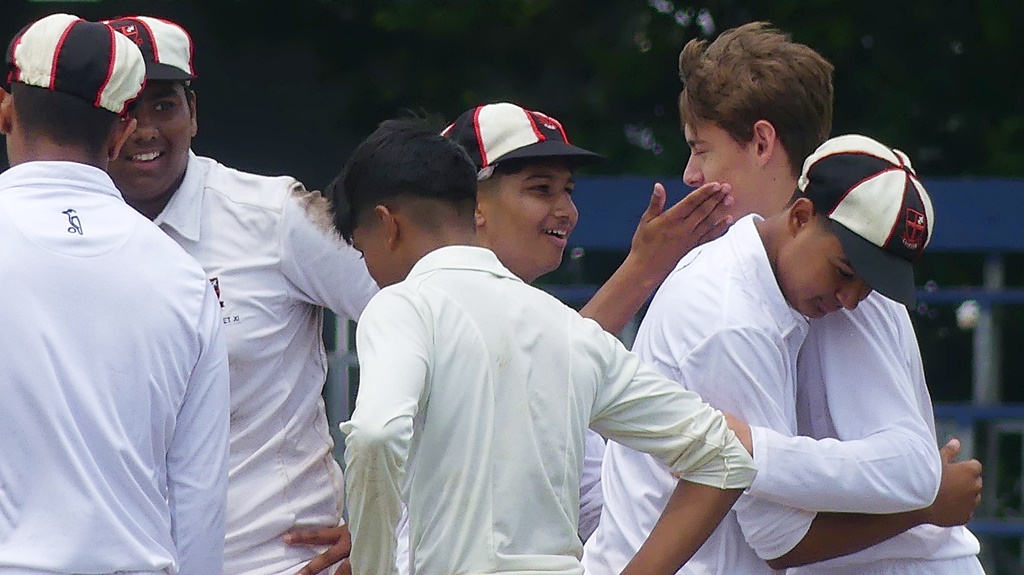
{"x": 566, "y": 208}
{"x": 692, "y": 175}
{"x": 852, "y": 293}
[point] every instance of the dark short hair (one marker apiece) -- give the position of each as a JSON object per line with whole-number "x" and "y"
{"x": 63, "y": 118}
{"x": 402, "y": 158}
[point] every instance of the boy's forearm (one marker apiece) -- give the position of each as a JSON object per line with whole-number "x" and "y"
{"x": 836, "y": 534}
{"x": 622, "y": 296}
{"x": 692, "y": 514}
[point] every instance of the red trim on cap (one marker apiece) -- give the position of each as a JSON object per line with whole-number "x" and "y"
{"x": 152, "y": 39}
{"x": 15, "y": 74}
{"x": 896, "y": 224}
{"x": 56, "y": 53}
{"x": 110, "y": 69}
{"x": 859, "y": 182}
{"x": 558, "y": 125}
{"x": 479, "y": 138}
{"x": 447, "y": 130}
{"x": 533, "y": 124}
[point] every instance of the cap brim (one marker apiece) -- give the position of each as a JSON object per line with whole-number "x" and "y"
{"x": 886, "y": 273}
{"x": 552, "y": 149}
{"x": 157, "y": 71}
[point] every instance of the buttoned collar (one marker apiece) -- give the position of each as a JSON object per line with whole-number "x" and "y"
{"x": 184, "y": 211}
{"x": 461, "y": 258}
{"x": 757, "y": 270}
{"x": 72, "y": 175}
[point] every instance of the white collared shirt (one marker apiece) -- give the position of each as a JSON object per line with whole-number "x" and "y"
{"x": 481, "y": 389}
{"x": 720, "y": 326}
{"x": 114, "y": 383}
{"x": 269, "y": 247}
{"x": 862, "y": 382}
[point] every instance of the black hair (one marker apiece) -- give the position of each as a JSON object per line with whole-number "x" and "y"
{"x": 402, "y": 158}
{"x": 63, "y": 118}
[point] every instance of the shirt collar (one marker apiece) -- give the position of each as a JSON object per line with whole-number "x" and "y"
{"x": 757, "y": 269}
{"x": 461, "y": 258}
{"x": 69, "y": 174}
{"x": 184, "y": 211}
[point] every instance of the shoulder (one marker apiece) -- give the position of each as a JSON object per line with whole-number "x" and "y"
{"x": 248, "y": 189}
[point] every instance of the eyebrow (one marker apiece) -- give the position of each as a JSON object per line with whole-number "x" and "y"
{"x": 694, "y": 142}
{"x": 572, "y": 179}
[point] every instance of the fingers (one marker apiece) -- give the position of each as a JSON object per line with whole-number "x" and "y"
{"x": 324, "y": 560}
{"x": 656, "y": 205}
{"x": 950, "y": 450}
{"x": 344, "y": 568}
{"x": 700, "y": 202}
{"x": 314, "y": 536}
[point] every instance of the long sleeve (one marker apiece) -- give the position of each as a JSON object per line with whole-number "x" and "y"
{"x": 742, "y": 370}
{"x": 392, "y": 340}
{"x": 643, "y": 410}
{"x": 322, "y": 268}
{"x": 197, "y": 461}
{"x": 890, "y": 461}
{"x": 591, "y": 499}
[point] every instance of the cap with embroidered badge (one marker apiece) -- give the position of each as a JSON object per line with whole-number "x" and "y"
{"x": 67, "y": 54}
{"x": 879, "y": 209}
{"x": 166, "y": 47}
{"x": 503, "y": 131}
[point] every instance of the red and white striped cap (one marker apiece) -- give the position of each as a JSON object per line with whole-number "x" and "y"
{"x": 66, "y": 54}
{"x": 504, "y": 131}
{"x": 879, "y": 209}
{"x": 166, "y": 46}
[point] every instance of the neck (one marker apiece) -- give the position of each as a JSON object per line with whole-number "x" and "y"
{"x": 42, "y": 150}
{"x": 778, "y": 186}
{"x": 444, "y": 237}
{"x": 771, "y": 230}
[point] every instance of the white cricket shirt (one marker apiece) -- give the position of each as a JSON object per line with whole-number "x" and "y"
{"x": 862, "y": 383}
{"x": 113, "y": 374}
{"x": 481, "y": 389}
{"x": 270, "y": 249}
{"x": 720, "y": 326}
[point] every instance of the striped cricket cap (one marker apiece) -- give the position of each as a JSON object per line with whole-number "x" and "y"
{"x": 89, "y": 60}
{"x": 166, "y": 46}
{"x": 879, "y": 209}
{"x": 496, "y": 132}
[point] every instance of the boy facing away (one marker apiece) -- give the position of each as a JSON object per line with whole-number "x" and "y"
{"x": 476, "y": 390}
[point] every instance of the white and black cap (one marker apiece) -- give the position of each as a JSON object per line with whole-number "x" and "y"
{"x": 86, "y": 59}
{"x": 503, "y": 131}
{"x": 878, "y": 208}
{"x": 166, "y": 46}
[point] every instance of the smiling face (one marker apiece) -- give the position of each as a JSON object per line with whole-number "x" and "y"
{"x": 811, "y": 267}
{"x": 526, "y": 217}
{"x": 152, "y": 163}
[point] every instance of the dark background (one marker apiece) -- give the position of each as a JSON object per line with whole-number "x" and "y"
{"x": 292, "y": 86}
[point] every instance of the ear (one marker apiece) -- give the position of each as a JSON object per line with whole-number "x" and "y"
{"x": 765, "y": 140}
{"x": 389, "y": 224}
{"x": 123, "y": 129}
{"x": 800, "y": 215}
{"x": 191, "y": 96}
{"x": 6, "y": 112}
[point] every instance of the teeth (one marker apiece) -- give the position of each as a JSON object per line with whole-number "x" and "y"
{"x": 146, "y": 157}
{"x": 557, "y": 233}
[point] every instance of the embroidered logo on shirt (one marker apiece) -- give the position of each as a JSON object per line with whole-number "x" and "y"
{"x": 215, "y": 282}
{"x": 76, "y": 225}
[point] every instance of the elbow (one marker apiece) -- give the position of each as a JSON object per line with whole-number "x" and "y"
{"x": 925, "y": 467}
{"x": 369, "y": 438}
